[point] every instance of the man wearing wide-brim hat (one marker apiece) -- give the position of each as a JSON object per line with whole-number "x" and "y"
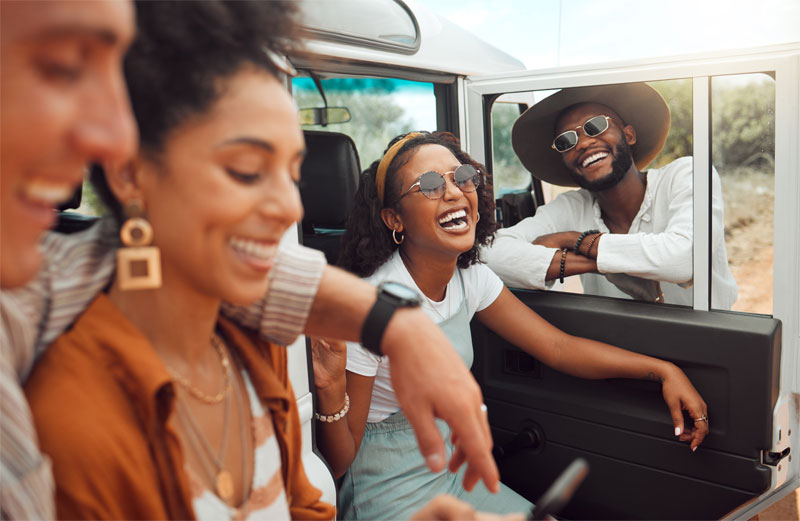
{"x": 627, "y": 231}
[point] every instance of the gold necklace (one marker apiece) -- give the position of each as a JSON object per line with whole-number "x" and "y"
{"x": 197, "y": 393}
{"x": 220, "y": 477}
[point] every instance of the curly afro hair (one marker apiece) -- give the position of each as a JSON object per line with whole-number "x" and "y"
{"x": 183, "y": 52}
{"x": 368, "y": 243}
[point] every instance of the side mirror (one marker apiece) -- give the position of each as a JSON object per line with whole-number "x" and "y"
{"x": 324, "y": 116}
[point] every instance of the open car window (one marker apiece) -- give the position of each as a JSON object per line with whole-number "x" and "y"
{"x": 380, "y": 108}
{"x": 742, "y": 144}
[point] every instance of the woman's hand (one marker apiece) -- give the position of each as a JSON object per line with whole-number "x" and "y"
{"x": 447, "y": 508}
{"x": 330, "y": 361}
{"x": 680, "y": 395}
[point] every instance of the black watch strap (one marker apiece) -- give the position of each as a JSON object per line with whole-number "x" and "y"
{"x": 375, "y": 324}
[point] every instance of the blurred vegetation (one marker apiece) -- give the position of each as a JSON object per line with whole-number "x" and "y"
{"x": 376, "y": 116}
{"x": 90, "y": 202}
{"x": 678, "y": 94}
{"x": 742, "y": 121}
{"x": 508, "y": 172}
{"x": 743, "y": 124}
{"x": 375, "y": 120}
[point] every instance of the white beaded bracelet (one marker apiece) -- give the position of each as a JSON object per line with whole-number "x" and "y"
{"x": 335, "y": 417}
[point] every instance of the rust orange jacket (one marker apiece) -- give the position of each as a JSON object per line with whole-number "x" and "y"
{"x": 102, "y": 400}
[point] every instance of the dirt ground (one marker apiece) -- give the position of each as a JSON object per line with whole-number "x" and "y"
{"x": 787, "y": 508}
{"x": 749, "y": 205}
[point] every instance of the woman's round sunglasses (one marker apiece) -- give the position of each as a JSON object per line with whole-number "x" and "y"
{"x": 433, "y": 184}
{"x": 593, "y": 127}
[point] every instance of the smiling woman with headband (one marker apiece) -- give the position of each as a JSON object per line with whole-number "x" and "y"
{"x": 420, "y": 214}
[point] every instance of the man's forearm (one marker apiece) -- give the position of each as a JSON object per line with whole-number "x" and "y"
{"x": 518, "y": 263}
{"x": 341, "y": 305}
{"x": 573, "y": 265}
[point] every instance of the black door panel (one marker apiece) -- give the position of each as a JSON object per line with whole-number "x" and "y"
{"x": 622, "y": 427}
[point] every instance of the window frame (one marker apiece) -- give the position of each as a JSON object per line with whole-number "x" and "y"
{"x": 480, "y": 91}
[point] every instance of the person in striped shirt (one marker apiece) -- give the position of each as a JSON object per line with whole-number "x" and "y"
{"x": 63, "y": 104}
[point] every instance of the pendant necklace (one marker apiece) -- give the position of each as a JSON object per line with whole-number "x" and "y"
{"x": 220, "y": 477}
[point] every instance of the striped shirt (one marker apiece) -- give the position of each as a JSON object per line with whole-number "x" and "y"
{"x": 267, "y": 499}
{"x": 77, "y": 267}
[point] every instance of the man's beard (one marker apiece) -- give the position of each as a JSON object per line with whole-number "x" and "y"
{"x": 619, "y": 167}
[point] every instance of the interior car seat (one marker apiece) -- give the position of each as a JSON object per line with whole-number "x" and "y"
{"x": 329, "y": 178}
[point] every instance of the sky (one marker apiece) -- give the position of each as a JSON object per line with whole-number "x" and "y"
{"x": 593, "y": 31}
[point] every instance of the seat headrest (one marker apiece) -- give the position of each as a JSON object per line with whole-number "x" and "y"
{"x": 329, "y": 178}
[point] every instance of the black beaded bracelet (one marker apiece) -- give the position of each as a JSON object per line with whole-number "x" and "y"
{"x": 581, "y": 237}
{"x": 563, "y": 264}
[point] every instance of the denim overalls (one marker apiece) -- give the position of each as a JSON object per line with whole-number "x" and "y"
{"x": 389, "y": 478}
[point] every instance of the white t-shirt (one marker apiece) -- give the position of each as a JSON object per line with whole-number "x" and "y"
{"x": 658, "y": 245}
{"x": 481, "y": 288}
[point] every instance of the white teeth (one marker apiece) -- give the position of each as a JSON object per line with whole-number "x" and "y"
{"x": 253, "y": 248}
{"x": 453, "y": 215}
{"x": 594, "y": 157}
{"x": 46, "y": 192}
{"x": 459, "y": 226}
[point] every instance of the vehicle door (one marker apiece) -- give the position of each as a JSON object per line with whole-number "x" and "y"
{"x": 744, "y": 363}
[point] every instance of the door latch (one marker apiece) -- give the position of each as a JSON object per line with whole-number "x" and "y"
{"x": 773, "y": 458}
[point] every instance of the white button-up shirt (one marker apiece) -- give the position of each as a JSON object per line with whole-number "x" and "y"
{"x": 657, "y": 247}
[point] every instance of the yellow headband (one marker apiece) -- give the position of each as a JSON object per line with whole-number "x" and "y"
{"x": 383, "y": 166}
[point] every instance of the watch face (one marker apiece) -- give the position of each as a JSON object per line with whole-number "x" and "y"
{"x": 405, "y": 295}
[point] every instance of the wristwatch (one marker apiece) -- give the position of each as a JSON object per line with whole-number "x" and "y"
{"x": 391, "y": 295}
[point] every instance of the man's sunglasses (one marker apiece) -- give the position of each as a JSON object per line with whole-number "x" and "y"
{"x": 593, "y": 127}
{"x": 433, "y": 184}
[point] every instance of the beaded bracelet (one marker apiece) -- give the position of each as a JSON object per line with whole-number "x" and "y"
{"x": 581, "y": 237}
{"x": 591, "y": 243}
{"x": 563, "y": 264}
{"x": 335, "y": 417}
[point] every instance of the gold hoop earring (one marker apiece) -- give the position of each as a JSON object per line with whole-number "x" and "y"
{"x": 394, "y": 237}
{"x": 138, "y": 265}
{"x": 478, "y": 219}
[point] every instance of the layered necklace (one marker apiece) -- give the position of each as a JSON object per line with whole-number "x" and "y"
{"x": 211, "y": 460}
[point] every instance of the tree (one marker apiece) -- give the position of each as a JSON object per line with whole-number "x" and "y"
{"x": 742, "y": 121}
{"x": 743, "y": 124}
{"x": 375, "y": 119}
{"x": 508, "y": 172}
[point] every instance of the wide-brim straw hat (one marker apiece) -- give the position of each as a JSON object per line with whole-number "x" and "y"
{"x": 638, "y": 104}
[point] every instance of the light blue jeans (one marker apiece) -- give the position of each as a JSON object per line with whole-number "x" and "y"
{"x": 389, "y": 478}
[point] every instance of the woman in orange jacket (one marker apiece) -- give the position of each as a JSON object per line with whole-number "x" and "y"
{"x": 153, "y": 405}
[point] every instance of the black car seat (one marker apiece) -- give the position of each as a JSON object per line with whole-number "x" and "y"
{"x": 329, "y": 178}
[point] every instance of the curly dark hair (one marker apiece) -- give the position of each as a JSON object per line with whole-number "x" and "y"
{"x": 367, "y": 242}
{"x": 182, "y": 53}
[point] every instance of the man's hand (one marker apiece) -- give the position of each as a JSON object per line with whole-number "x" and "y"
{"x": 431, "y": 381}
{"x": 637, "y": 287}
{"x": 558, "y": 240}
